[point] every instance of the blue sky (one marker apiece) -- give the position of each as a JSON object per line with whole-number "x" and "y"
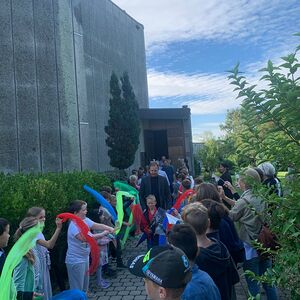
{"x": 191, "y": 43}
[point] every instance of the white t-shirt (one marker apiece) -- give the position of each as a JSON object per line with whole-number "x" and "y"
{"x": 78, "y": 251}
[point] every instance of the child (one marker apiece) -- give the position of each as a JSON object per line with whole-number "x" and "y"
{"x": 24, "y": 274}
{"x": 4, "y": 236}
{"x": 214, "y": 257}
{"x": 105, "y": 218}
{"x": 77, "y": 258}
{"x": 117, "y": 251}
{"x": 150, "y": 226}
{"x": 41, "y": 250}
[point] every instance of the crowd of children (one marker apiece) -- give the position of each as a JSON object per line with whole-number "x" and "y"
{"x": 205, "y": 247}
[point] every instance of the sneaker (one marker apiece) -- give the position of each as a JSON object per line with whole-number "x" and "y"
{"x": 104, "y": 284}
{"x": 91, "y": 295}
{"x": 110, "y": 273}
{"x": 121, "y": 266}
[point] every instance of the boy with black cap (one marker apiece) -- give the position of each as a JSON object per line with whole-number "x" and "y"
{"x": 201, "y": 285}
{"x": 166, "y": 271}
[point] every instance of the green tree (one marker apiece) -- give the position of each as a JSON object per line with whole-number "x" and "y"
{"x": 214, "y": 151}
{"x": 123, "y": 127}
{"x": 271, "y": 117}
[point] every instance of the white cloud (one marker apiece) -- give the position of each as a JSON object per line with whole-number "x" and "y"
{"x": 203, "y": 93}
{"x": 167, "y": 21}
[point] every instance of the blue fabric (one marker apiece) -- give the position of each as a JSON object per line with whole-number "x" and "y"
{"x": 229, "y": 237}
{"x": 250, "y": 251}
{"x": 102, "y": 201}
{"x": 259, "y": 267}
{"x": 70, "y": 295}
{"x": 201, "y": 287}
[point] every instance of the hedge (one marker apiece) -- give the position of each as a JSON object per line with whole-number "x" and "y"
{"x": 52, "y": 191}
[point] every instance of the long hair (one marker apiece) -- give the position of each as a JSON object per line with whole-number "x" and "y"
{"x": 207, "y": 191}
{"x": 26, "y": 224}
{"x": 34, "y": 211}
{"x": 76, "y": 206}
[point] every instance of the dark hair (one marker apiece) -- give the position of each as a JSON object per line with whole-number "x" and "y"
{"x": 198, "y": 180}
{"x": 186, "y": 183}
{"x": 34, "y": 211}
{"x": 76, "y": 206}
{"x": 208, "y": 191}
{"x": 183, "y": 236}
{"x": 260, "y": 173}
{"x": 3, "y": 225}
{"x": 107, "y": 189}
{"x": 216, "y": 211}
{"x": 105, "y": 194}
{"x": 134, "y": 172}
{"x": 153, "y": 163}
{"x": 225, "y": 165}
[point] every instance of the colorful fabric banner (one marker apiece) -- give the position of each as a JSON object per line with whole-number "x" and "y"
{"x": 102, "y": 201}
{"x": 20, "y": 248}
{"x": 84, "y": 231}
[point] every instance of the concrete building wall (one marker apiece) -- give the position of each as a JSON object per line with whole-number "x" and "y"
{"x": 56, "y": 60}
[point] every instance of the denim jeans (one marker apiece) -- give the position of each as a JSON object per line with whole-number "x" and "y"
{"x": 259, "y": 267}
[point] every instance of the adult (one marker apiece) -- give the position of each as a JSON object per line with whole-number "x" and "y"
{"x": 248, "y": 211}
{"x": 224, "y": 169}
{"x": 168, "y": 168}
{"x": 166, "y": 271}
{"x": 156, "y": 185}
{"x": 270, "y": 179}
{"x": 132, "y": 180}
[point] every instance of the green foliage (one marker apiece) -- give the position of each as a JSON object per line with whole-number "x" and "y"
{"x": 215, "y": 151}
{"x": 268, "y": 128}
{"x": 52, "y": 191}
{"x": 123, "y": 127}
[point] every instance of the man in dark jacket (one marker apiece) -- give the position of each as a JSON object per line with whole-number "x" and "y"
{"x": 156, "y": 185}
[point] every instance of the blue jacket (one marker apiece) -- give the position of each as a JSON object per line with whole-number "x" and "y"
{"x": 201, "y": 287}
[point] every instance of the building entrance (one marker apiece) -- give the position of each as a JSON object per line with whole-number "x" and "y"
{"x": 156, "y": 144}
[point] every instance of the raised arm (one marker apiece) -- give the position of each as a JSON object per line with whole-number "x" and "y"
{"x": 51, "y": 243}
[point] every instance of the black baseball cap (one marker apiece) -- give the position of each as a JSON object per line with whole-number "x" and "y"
{"x": 167, "y": 266}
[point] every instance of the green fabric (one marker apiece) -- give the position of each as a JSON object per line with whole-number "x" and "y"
{"x": 20, "y": 248}
{"x": 119, "y": 208}
{"x": 122, "y": 186}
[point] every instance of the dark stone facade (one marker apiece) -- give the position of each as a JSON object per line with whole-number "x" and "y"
{"x": 56, "y": 59}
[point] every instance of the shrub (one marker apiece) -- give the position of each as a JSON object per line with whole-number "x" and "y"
{"x": 52, "y": 191}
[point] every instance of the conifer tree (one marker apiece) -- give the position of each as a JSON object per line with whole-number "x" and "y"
{"x": 123, "y": 127}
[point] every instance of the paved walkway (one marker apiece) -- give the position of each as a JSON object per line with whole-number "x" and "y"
{"x": 129, "y": 287}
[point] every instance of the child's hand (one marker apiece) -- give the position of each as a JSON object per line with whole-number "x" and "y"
{"x": 110, "y": 229}
{"x": 229, "y": 186}
{"x": 175, "y": 212}
{"x": 58, "y": 223}
{"x": 221, "y": 192}
{"x": 105, "y": 232}
{"x": 127, "y": 224}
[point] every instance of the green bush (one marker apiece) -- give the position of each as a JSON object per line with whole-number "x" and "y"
{"x": 52, "y": 191}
